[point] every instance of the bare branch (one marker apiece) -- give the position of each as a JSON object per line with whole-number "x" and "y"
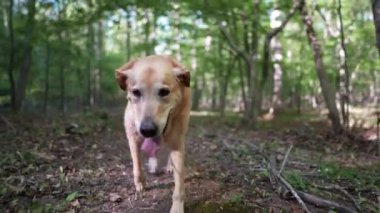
{"x": 317, "y": 201}
{"x": 294, "y": 193}
{"x": 233, "y": 45}
{"x": 285, "y": 159}
{"x": 343, "y": 191}
{"x": 291, "y": 13}
{"x": 332, "y": 32}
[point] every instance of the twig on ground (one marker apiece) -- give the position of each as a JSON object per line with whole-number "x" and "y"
{"x": 8, "y": 123}
{"x": 343, "y": 191}
{"x": 285, "y": 159}
{"x": 275, "y": 176}
{"x": 302, "y": 164}
{"x": 272, "y": 177}
{"x": 277, "y": 181}
{"x": 165, "y": 184}
{"x": 317, "y": 201}
{"x": 294, "y": 192}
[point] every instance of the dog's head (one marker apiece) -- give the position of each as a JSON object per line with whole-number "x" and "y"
{"x": 154, "y": 87}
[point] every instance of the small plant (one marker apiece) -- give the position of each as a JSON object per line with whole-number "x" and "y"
{"x": 295, "y": 179}
{"x": 237, "y": 198}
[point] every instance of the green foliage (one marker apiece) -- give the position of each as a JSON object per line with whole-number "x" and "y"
{"x": 72, "y": 196}
{"x": 87, "y": 40}
{"x": 295, "y": 179}
{"x": 367, "y": 178}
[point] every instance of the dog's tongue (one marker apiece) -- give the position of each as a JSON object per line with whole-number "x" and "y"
{"x": 151, "y": 146}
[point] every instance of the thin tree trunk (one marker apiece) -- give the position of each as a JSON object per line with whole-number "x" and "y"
{"x": 11, "y": 56}
{"x": 223, "y": 89}
{"x": 90, "y": 66}
{"x": 376, "y": 20}
{"x": 266, "y": 50}
{"x": 242, "y": 83}
{"x": 194, "y": 68}
{"x": 47, "y": 72}
{"x": 128, "y": 36}
{"x": 177, "y": 16}
{"x": 277, "y": 74}
{"x": 344, "y": 73}
{"x": 327, "y": 90}
{"x": 97, "y": 71}
{"x": 147, "y": 32}
{"x": 249, "y": 57}
{"x": 27, "y": 59}
{"x": 62, "y": 105}
{"x": 62, "y": 87}
{"x": 214, "y": 95}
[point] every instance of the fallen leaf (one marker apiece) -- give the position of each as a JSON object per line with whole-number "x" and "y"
{"x": 213, "y": 146}
{"x": 71, "y": 196}
{"x": 75, "y": 203}
{"x": 114, "y": 197}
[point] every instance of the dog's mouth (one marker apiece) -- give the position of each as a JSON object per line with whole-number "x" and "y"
{"x": 151, "y": 146}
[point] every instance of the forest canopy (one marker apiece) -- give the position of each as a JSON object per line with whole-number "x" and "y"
{"x": 252, "y": 57}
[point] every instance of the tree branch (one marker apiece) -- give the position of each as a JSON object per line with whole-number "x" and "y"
{"x": 233, "y": 45}
{"x": 293, "y": 10}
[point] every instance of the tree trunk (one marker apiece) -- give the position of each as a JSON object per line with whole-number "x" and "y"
{"x": 277, "y": 74}
{"x": 266, "y": 50}
{"x": 224, "y": 74}
{"x": 177, "y": 16}
{"x": 62, "y": 87}
{"x": 98, "y": 47}
{"x": 376, "y": 20}
{"x": 249, "y": 54}
{"x": 90, "y": 66}
{"x": 27, "y": 59}
{"x": 47, "y": 72}
{"x": 128, "y": 36}
{"x": 344, "y": 73}
{"x": 250, "y": 111}
{"x": 327, "y": 90}
{"x": 62, "y": 105}
{"x": 11, "y": 56}
{"x": 223, "y": 88}
{"x": 242, "y": 83}
{"x": 214, "y": 95}
{"x": 147, "y": 32}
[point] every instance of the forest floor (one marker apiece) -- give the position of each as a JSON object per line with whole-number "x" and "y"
{"x": 81, "y": 163}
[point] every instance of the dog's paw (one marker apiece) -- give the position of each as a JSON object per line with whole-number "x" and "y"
{"x": 169, "y": 169}
{"x": 139, "y": 195}
{"x": 139, "y": 187}
{"x": 177, "y": 207}
{"x": 153, "y": 165}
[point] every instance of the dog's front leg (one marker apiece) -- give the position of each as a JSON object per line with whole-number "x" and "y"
{"x": 177, "y": 159}
{"x": 138, "y": 175}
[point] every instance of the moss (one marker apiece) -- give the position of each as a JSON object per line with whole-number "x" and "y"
{"x": 226, "y": 207}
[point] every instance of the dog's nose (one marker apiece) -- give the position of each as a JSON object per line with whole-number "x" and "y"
{"x": 148, "y": 128}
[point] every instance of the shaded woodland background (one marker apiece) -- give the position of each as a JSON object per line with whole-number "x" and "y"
{"x": 269, "y": 78}
{"x": 245, "y": 56}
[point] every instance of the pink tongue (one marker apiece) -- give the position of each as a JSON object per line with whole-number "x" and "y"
{"x": 151, "y": 146}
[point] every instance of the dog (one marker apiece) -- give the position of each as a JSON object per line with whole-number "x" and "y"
{"x": 158, "y": 109}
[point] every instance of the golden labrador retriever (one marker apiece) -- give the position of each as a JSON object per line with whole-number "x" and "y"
{"x": 158, "y": 93}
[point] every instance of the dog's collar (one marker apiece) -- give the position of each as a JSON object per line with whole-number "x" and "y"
{"x": 167, "y": 121}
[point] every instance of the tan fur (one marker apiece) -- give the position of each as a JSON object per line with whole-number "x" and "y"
{"x": 150, "y": 74}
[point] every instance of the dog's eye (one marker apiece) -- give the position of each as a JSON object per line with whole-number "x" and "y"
{"x": 163, "y": 92}
{"x": 136, "y": 93}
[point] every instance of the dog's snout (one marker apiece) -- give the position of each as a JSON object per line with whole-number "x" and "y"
{"x": 148, "y": 128}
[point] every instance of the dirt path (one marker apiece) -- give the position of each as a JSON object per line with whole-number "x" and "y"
{"x": 82, "y": 163}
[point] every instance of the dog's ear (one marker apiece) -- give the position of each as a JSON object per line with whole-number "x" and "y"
{"x": 183, "y": 75}
{"x": 121, "y": 74}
